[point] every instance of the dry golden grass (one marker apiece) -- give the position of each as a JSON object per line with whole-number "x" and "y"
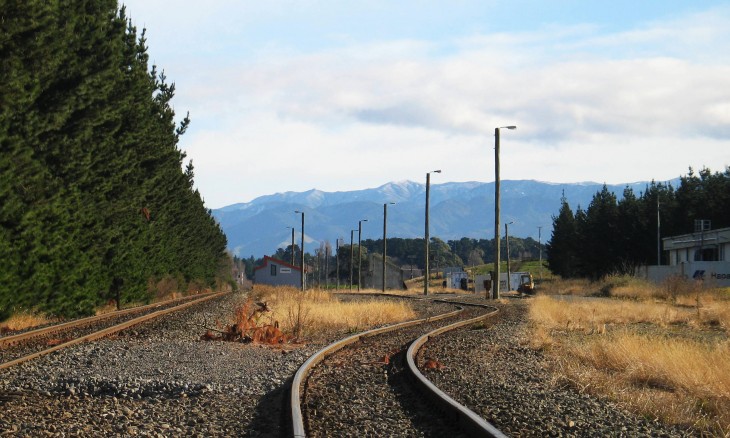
{"x": 676, "y": 301}
{"x": 306, "y": 314}
{"x": 676, "y": 381}
{"x": 25, "y": 320}
{"x": 662, "y": 359}
{"x": 591, "y": 314}
{"x": 568, "y": 287}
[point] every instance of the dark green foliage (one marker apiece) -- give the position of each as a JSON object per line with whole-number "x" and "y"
{"x": 615, "y": 237}
{"x": 562, "y": 248}
{"x": 463, "y": 252}
{"x": 93, "y": 197}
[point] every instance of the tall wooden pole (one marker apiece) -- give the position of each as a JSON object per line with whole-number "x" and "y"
{"x": 495, "y": 280}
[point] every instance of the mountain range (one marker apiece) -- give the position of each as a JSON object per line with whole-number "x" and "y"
{"x": 457, "y": 209}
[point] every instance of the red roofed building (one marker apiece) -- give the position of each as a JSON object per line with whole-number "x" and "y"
{"x": 276, "y": 272}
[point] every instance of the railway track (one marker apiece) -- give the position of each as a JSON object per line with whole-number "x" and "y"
{"x": 22, "y": 347}
{"x": 369, "y": 385}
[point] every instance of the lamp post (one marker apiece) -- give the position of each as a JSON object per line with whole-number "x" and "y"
{"x": 292, "y": 245}
{"x": 539, "y": 245}
{"x": 506, "y": 236}
{"x": 352, "y": 258}
{"x": 359, "y": 252}
{"x": 385, "y": 233}
{"x": 301, "y": 266}
{"x": 495, "y": 281}
{"x": 428, "y": 189}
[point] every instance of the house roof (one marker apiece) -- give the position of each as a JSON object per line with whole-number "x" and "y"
{"x": 268, "y": 259}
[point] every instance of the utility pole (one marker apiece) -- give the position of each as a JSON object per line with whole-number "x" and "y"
{"x": 426, "y": 277}
{"x": 303, "y": 278}
{"x": 506, "y": 235}
{"x": 359, "y": 252}
{"x": 327, "y": 265}
{"x": 337, "y": 263}
{"x": 658, "y": 234}
{"x": 496, "y": 211}
{"x": 352, "y": 259}
{"x": 539, "y": 245}
{"x": 385, "y": 241}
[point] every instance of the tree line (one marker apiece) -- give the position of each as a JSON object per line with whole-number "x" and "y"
{"x": 616, "y": 236}
{"x": 402, "y": 252}
{"x": 94, "y": 202}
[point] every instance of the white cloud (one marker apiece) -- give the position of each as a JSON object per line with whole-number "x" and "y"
{"x": 590, "y": 105}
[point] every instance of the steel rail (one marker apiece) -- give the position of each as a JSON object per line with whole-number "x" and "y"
{"x": 12, "y": 339}
{"x": 109, "y": 330}
{"x": 302, "y": 373}
{"x": 468, "y": 419}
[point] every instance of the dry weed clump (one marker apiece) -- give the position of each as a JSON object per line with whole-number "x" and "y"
{"x": 249, "y": 327}
{"x": 24, "y": 320}
{"x": 307, "y": 314}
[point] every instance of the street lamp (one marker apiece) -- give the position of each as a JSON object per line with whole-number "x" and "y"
{"x": 352, "y": 259}
{"x": 428, "y": 188}
{"x": 506, "y": 236}
{"x": 292, "y": 245}
{"x": 496, "y": 210}
{"x": 301, "y": 266}
{"x": 359, "y": 252}
{"x": 385, "y": 232}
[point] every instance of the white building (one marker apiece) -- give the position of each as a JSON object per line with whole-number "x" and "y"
{"x": 702, "y": 255}
{"x": 701, "y": 246}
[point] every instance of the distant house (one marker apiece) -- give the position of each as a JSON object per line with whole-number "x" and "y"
{"x": 276, "y": 272}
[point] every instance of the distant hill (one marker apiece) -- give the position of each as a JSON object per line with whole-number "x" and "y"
{"x": 457, "y": 210}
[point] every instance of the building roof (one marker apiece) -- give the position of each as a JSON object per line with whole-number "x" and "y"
{"x": 693, "y": 240}
{"x": 267, "y": 259}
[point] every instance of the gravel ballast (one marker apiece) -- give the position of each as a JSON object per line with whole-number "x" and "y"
{"x": 158, "y": 379}
{"x": 494, "y": 373}
{"x": 161, "y": 380}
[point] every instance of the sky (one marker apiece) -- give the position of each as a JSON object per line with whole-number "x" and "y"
{"x": 347, "y": 95}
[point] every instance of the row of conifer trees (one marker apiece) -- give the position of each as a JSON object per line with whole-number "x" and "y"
{"x": 94, "y": 202}
{"x": 615, "y": 236}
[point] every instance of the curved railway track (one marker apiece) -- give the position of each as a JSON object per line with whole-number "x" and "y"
{"x": 22, "y": 347}
{"x": 369, "y": 385}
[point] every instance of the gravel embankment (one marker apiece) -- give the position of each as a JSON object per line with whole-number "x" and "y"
{"x": 493, "y": 373}
{"x": 158, "y": 379}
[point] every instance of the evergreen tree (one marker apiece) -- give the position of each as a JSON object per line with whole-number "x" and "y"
{"x": 94, "y": 203}
{"x": 561, "y": 248}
